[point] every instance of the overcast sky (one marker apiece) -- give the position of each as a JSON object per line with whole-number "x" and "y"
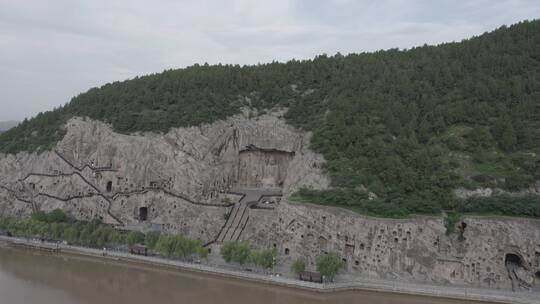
{"x": 52, "y": 50}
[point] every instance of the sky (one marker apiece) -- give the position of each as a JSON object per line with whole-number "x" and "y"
{"x": 52, "y": 50}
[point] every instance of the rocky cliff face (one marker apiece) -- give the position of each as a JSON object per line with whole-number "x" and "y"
{"x": 416, "y": 248}
{"x": 263, "y": 168}
{"x": 229, "y": 181}
{"x": 180, "y": 178}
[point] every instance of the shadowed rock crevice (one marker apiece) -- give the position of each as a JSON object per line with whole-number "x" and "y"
{"x": 517, "y": 272}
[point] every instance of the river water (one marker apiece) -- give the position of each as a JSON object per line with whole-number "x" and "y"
{"x": 34, "y": 277}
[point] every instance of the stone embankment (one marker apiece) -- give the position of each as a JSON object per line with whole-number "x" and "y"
{"x": 364, "y": 284}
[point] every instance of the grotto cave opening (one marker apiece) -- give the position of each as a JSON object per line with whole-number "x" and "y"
{"x": 516, "y": 270}
{"x": 513, "y": 259}
{"x": 263, "y": 168}
{"x": 143, "y": 213}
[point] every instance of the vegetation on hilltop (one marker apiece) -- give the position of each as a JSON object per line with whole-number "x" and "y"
{"x": 407, "y": 125}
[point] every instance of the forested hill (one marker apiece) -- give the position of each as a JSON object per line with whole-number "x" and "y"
{"x": 408, "y": 125}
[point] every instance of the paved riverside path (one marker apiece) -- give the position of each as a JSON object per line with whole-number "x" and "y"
{"x": 358, "y": 283}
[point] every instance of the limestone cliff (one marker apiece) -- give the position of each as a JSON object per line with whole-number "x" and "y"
{"x": 180, "y": 178}
{"x": 230, "y": 181}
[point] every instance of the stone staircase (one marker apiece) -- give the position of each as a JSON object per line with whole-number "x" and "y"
{"x": 239, "y": 216}
{"x": 234, "y": 221}
{"x": 233, "y": 233}
{"x": 228, "y": 224}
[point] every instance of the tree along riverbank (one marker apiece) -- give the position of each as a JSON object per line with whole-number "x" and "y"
{"x": 360, "y": 284}
{"x": 56, "y": 226}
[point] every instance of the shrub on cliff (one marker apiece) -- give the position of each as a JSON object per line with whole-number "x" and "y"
{"x": 450, "y": 222}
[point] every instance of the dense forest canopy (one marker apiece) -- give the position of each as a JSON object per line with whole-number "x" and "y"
{"x": 409, "y": 125}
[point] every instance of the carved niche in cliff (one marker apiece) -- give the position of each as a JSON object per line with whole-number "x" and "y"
{"x": 263, "y": 168}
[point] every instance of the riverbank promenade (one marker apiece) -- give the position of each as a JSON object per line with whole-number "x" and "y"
{"x": 357, "y": 283}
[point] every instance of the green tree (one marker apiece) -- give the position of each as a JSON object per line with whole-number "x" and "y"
{"x": 509, "y": 138}
{"x": 329, "y": 265}
{"x": 102, "y": 235}
{"x": 57, "y": 231}
{"x": 118, "y": 238}
{"x": 298, "y": 266}
{"x": 241, "y": 254}
{"x": 151, "y": 238}
{"x": 57, "y": 216}
{"x": 235, "y": 252}
{"x": 185, "y": 248}
{"x": 71, "y": 234}
{"x": 264, "y": 258}
{"x": 39, "y": 216}
{"x": 86, "y": 236}
{"x": 166, "y": 245}
{"x": 450, "y": 222}
{"x": 480, "y": 138}
{"x": 135, "y": 237}
{"x": 227, "y": 251}
{"x": 202, "y": 252}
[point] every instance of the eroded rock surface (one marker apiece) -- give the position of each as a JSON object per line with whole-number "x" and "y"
{"x": 180, "y": 178}
{"x": 416, "y": 248}
{"x": 230, "y": 181}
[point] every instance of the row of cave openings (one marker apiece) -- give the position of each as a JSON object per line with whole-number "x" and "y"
{"x": 511, "y": 261}
{"x": 109, "y": 185}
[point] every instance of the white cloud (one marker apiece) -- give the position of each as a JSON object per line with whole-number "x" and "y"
{"x": 51, "y": 50}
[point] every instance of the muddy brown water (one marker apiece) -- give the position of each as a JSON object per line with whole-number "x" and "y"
{"x": 35, "y": 277}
